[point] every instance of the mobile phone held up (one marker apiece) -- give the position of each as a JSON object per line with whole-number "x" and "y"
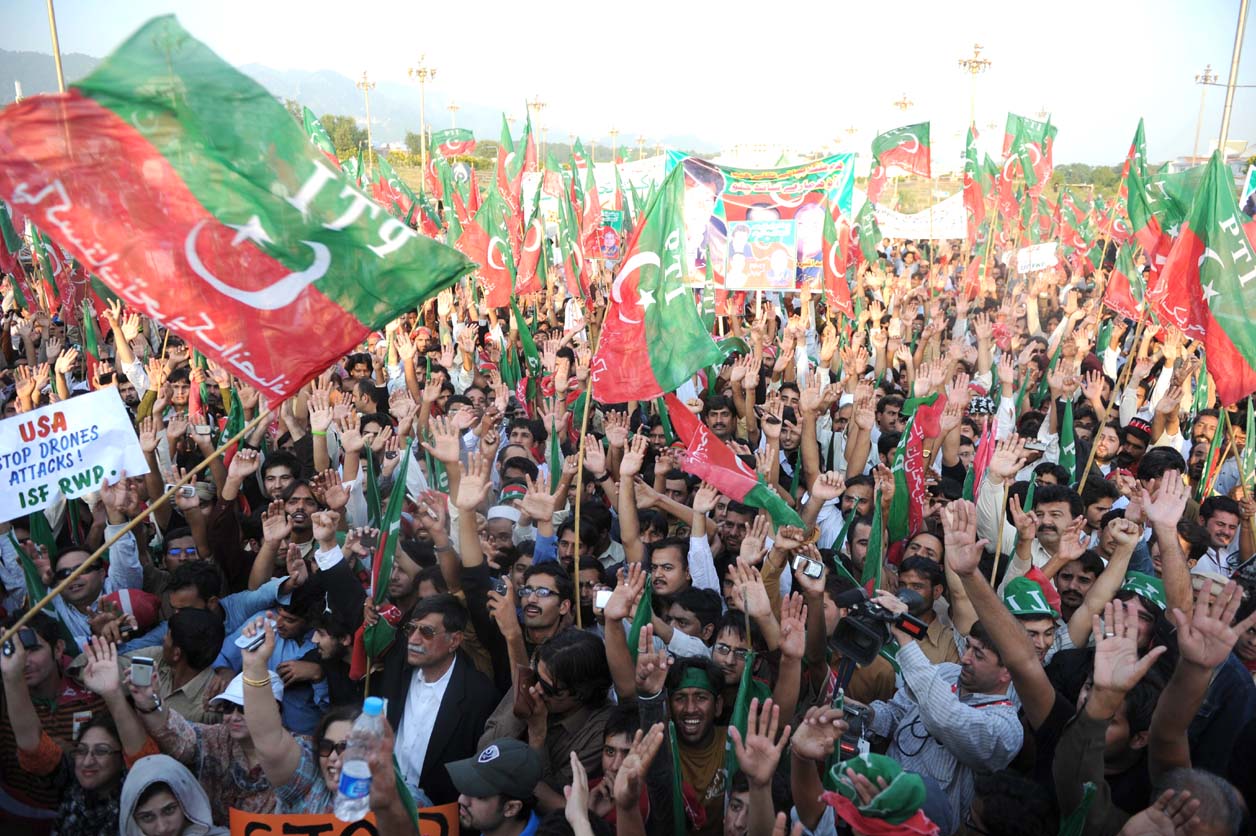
{"x": 254, "y": 642}
{"x": 810, "y": 568}
{"x": 142, "y": 671}
{"x": 185, "y": 491}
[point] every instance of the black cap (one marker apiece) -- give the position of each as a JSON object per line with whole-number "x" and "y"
{"x": 505, "y": 767}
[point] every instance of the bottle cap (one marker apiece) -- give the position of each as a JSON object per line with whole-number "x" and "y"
{"x": 374, "y": 706}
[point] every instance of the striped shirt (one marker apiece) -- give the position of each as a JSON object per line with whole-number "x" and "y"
{"x": 937, "y": 730}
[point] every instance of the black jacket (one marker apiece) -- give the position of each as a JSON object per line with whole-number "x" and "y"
{"x": 469, "y": 700}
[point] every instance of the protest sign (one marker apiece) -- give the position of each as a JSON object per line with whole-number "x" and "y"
{"x": 612, "y": 237}
{"x": 1247, "y": 200}
{"x": 433, "y": 821}
{"x": 761, "y": 255}
{"x": 1037, "y": 257}
{"x": 65, "y": 449}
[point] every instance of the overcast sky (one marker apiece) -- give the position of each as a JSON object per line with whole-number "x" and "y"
{"x": 738, "y": 72}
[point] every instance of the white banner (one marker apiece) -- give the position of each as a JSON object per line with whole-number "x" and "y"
{"x": 949, "y": 221}
{"x": 66, "y": 449}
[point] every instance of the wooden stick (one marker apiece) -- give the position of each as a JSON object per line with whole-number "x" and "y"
{"x": 998, "y": 537}
{"x": 104, "y": 548}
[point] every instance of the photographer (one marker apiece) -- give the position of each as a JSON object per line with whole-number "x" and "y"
{"x": 949, "y": 720}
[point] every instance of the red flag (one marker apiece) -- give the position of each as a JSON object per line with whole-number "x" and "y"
{"x": 985, "y": 452}
{"x": 533, "y": 249}
{"x": 924, "y": 424}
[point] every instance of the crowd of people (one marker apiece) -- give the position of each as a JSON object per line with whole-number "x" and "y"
{"x": 1070, "y": 627}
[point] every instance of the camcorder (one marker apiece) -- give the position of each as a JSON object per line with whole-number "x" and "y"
{"x": 866, "y": 628}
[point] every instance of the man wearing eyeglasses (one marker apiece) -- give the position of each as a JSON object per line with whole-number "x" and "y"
{"x": 437, "y": 701}
{"x": 76, "y": 605}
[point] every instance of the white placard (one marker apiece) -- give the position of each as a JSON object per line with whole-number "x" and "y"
{"x": 1036, "y": 257}
{"x": 65, "y": 449}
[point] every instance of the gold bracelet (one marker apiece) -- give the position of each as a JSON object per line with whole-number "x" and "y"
{"x": 257, "y": 683}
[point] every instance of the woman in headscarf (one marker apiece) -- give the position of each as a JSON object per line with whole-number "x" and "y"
{"x": 162, "y": 798}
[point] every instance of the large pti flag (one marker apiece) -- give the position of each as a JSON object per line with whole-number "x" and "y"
{"x": 1207, "y": 272}
{"x": 194, "y": 195}
{"x": 652, "y": 338}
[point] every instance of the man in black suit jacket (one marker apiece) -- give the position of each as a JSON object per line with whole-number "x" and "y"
{"x": 438, "y": 702}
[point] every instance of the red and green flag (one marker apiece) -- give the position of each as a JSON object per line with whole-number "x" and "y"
{"x": 204, "y": 205}
{"x": 1207, "y": 273}
{"x": 372, "y": 641}
{"x": 652, "y": 337}
{"x": 974, "y": 202}
{"x": 318, "y": 135}
{"x": 1030, "y": 141}
{"x": 748, "y": 688}
{"x": 1125, "y": 290}
{"x": 713, "y": 461}
{"x": 868, "y": 231}
{"x": 906, "y": 147}
{"x": 486, "y": 241}
{"x": 453, "y": 142}
{"x": 836, "y": 259}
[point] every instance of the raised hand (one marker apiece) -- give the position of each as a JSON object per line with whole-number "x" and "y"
{"x": 243, "y": 464}
{"x": 627, "y": 593}
{"x": 276, "y": 526}
{"x": 446, "y": 444}
{"x": 1026, "y": 522}
{"x": 1166, "y": 508}
{"x": 1208, "y": 634}
{"x": 793, "y": 627}
{"x": 329, "y": 490}
{"x": 1117, "y": 665}
{"x": 149, "y": 428}
{"x": 475, "y": 484}
{"x": 630, "y": 779}
{"x": 537, "y": 502}
{"x": 760, "y": 751}
{"x": 324, "y": 524}
{"x": 704, "y": 501}
{"x": 959, "y": 528}
{"x": 634, "y": 457}
{"x": 818, "y": 733}
{"x": 652, "y": 665}
{"x": 1008, "y": 459}
{"x": 1171, "y": 814}
{"x": 350, "y": 431}
{"x": 66, "y": 361}
{"x": 101, "y": 673}
{"x": 752, "y": 594}
{"x": 828, "y": 486}
{"x": 754, "y": 544}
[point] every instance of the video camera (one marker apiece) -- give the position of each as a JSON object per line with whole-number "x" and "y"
{"x": 866, "y": 628}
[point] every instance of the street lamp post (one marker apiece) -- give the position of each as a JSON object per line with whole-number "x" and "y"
{"x": 904, "y": 103}
{"x": 536, "y": 106}
{"x": 640, "y": 148}
{"x": 423, "y": 74}
{"x": 974, "y": 66}
{"x": 366, "y": 86}
{"x": 1203, "y": 80}
{"x": 453, "y": 114}
{"x": 614, "y": 132}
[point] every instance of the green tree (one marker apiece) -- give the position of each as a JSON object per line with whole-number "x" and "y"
{"x": 345, "y": 133}
{"x": 414, "y": 143}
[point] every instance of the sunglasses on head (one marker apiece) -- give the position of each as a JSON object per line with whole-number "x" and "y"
{"x": 62, "y": 574}
{"x": 326, "y": 747}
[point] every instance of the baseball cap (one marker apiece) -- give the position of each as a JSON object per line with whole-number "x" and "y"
{"x": 1147, "y": 587}
{"x": 504, "y": 767}
{"x": 1025, "y": 599}
{"x": 234, "y": 692}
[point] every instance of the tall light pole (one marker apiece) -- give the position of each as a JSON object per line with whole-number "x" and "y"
{"x": 614, "y": 132}
{"x": 423, "y": 73}
{"x": 903, "y": 103}
{"x": 366, "y": 86}
{"x": 640, "y": 148}
{"x": 536, "y": 106}
{"x": 974, "y": 66}
{"x": 1234, "y": 77}
{"x": 453, "y": 114}
{"x": 1203, "y": 80}
{"x": 1043, "y": 114}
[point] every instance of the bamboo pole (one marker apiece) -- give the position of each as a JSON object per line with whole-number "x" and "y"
{"x": 126, "y": 529}
{"x": 584, "y": 428}
{"x": 998, "y": 538}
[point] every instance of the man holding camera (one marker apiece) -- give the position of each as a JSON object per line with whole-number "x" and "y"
{"x": 949, "y": 720}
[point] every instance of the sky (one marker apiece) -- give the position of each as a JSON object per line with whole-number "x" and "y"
{"x": 783, "y": 73}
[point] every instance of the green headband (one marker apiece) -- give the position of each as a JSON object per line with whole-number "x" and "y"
{"x": 696, "y": 677}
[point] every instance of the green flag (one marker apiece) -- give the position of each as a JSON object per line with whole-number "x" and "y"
{"x": 380, "y": 635}
{"x": 874, "y": 557}
{"x": 1068, "y": 443}
{"x": 645, "y": 612}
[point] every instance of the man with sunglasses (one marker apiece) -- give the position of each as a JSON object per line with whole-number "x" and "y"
{"x": 437, "y": 701}
{"x": 77, "y": 604}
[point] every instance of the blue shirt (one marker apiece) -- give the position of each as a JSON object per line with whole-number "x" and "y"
{"x": 303, "y": 704}
{"x": 237, "y": 608}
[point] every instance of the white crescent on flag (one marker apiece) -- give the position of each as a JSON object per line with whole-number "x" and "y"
{"x": 633, "y": 264}
{"x": 492, "y": 246}
{"x": 279, "y": 294}
{"x": 834, "y": 250}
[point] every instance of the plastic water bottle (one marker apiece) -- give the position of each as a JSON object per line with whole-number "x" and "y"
{"x": 353, "y": 795}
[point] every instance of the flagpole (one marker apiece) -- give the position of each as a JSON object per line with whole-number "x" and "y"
{"x": 998, "y": 539}
{"x": 153, "y": 506}
{"x": 56, "y": 47}
{"x": 1231, "y": 83}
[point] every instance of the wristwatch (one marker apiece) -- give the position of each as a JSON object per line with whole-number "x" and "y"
{"x": 156, "y": 706}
